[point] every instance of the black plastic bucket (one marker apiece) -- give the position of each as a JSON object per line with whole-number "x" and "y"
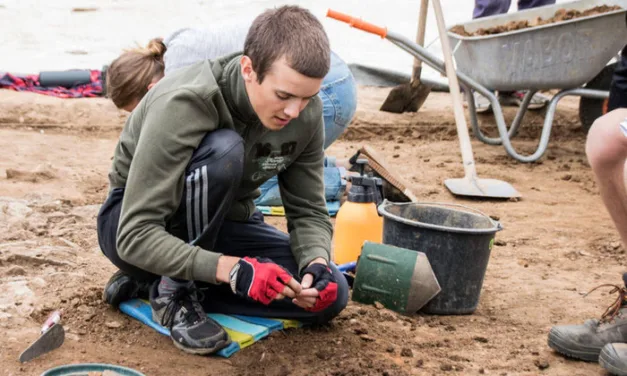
{"x": 457, "y": 241}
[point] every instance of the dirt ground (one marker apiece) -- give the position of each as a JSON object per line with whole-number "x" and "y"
{"x": 560, "y": 16}
{"x": 558, "y": 243}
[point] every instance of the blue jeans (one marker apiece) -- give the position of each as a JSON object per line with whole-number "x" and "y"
{"x": 339, "y": 102}
{"x": 486, "y": 8}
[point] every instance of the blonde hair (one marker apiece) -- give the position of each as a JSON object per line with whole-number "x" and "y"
{"x": 129, "y": 75}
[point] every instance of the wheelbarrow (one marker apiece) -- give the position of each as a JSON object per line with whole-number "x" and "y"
{"x": 564, "y": 55}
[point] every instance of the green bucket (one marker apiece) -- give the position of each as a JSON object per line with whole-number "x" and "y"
{"x": 84, "y": 368}
{"x": 400, "y": 279}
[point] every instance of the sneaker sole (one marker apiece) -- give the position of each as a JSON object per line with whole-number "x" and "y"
{"x": 121, "y": 294}
{"x": 203, "y": 351}
{"x": 536, "y": 106}
{"x": 517, "y": 103}
{"x": 191, "y": 350}
{"x": 481, "y": 110}
{"x": 606, "y": 360}
{"x": 557, "y": 343}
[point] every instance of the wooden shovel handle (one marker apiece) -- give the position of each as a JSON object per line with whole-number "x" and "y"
{"x": 458, "y": 109}
{"x": 420, "y": 36}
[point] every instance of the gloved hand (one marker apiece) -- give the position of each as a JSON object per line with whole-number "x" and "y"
{"x": 322, "y": 281}
{"x": 262, "y": 280}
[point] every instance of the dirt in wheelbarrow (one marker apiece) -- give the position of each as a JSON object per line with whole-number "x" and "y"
{"x": 560, "y": 16}
{"x": 558, "y": 242}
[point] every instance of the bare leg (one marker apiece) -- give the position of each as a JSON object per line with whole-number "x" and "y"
{"x": 606, "y": 149}
{"x": 594, "y": 340}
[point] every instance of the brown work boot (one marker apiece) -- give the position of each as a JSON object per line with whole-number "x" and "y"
{"x": 586, "y": 340}
{"x": 614, "y": 358}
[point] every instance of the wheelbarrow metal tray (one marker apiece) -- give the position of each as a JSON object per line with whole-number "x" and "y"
{"x": 561, "y": 55}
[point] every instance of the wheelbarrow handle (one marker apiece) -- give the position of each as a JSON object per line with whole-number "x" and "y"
{"x": 358, "y": 23}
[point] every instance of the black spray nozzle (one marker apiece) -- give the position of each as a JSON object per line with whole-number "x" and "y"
{"x": 366, "y": 189}
{"x": 361, "y": 164}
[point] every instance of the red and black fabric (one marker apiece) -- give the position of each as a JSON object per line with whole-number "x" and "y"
{"x": 259, "y": 279}
{"x": 30, "y": 83}
{"x": 325, "y": 283}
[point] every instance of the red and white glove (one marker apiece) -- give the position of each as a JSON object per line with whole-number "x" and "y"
{"x": 259, "y": 279}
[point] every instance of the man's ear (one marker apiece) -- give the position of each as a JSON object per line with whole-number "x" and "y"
{"x": 151, "y": 85}
{"x": 247, "y": 69}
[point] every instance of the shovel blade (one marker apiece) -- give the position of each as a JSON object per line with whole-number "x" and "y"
{"x": 47, "y": 342}
{"x": 481, "y": 188}
{"x": 406, "y": 98}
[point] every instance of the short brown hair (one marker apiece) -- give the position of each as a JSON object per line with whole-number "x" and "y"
{"x": 289, "y": 31}
{"x": 128, "y": 76}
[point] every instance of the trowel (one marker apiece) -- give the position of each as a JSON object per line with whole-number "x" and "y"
{"x": 52, "y": 337}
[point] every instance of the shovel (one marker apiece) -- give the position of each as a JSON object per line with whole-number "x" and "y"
{"x": 410, "y": 97}
{"x": 470, "y": 184}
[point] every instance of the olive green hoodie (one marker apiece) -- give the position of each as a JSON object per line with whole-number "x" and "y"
{"x": 156, "y": 146}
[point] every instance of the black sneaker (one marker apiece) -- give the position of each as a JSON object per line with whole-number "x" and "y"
{"x": 122, "y": 287}
{"x": 190, "y": 328}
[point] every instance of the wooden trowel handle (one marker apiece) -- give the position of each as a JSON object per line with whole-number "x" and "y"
{"x": 420, "y": 36}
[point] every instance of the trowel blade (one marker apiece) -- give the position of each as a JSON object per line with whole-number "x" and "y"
{"x": 47, "y": 342}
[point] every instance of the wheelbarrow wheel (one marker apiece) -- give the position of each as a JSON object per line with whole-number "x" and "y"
{"x": 590, "y": 108}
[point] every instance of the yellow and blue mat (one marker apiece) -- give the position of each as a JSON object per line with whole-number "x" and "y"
{"x": 243, "y": 330}
{"x": 279, "y": 211}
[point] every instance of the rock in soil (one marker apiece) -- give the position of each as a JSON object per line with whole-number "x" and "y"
{"x": 324, "y": 354}
{"x": 113, "y": 324}
{"x": 446, "y": 367}
{"x": 407, "y": 353}
{"x": 15, "y": 271}
{"x": 542, "y": 364}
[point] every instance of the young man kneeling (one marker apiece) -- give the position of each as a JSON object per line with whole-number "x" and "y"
{"x": 180, "y": 212}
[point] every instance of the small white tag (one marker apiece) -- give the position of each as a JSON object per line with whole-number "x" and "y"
{"x": 623, "y": 127}
{"x": 233, "y": 277}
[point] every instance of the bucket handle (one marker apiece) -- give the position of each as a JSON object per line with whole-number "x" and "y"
{"x": 496, "y": 223}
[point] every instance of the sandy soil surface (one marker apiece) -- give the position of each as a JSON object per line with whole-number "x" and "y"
{"x": 558, "y": 243}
